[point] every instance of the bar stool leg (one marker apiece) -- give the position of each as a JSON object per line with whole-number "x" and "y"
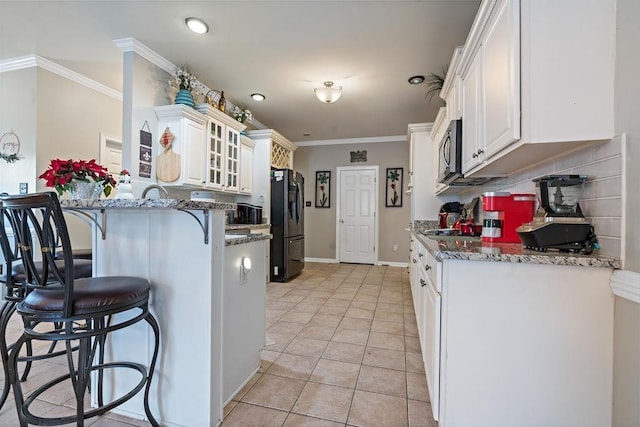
{"x": 156, "y": 332}
{"x": 13, "y": 377}
{"x": 8, "y": 308}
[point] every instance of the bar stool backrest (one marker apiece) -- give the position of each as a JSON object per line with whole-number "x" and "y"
{"x": 12, "y": 290}
{"x": 37, "y": 220}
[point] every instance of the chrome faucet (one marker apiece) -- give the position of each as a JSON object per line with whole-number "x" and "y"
{"x": 161, "y": 191}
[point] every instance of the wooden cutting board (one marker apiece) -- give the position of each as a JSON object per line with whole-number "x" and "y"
{"x": 168, "y": 166}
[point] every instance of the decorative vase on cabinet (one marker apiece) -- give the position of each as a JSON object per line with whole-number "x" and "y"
{"x": 184, "y": 97}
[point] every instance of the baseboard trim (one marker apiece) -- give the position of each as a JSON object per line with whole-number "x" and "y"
{"x": 626, "y": 284}
{"x": 321, "y": 260}
{"x": 393, "y": 263}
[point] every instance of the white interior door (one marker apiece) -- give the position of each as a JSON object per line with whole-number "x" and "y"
{"x": 356, "y": 214}
{"x": 111, "y": 153}
{"x": 111, "y": 156}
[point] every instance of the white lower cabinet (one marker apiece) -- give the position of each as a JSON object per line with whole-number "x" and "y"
{"x": 515, "y": 344}
{"x": 427, "y": 302}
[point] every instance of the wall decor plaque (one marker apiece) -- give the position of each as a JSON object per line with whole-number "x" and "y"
{"x": 393, "y": 191}
{"x": 323, "y": 189}
{"x": 358, "y": 156}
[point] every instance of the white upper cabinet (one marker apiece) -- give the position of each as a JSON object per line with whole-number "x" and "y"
{"x": 215, "y": 147}
{"x": 181, "y": 164}
{"x": 206, "y": 149}
{"x": 501, "y": 79}
{"x": 530, "y": 71}
{"x": 491, "y": 88}
{"x": 223, "y": 150}
{"x": 451, "y": 91}
{"x": 472, "y": 113}
{"x": 232, "y": 170}
{"x": 246, "y": 165}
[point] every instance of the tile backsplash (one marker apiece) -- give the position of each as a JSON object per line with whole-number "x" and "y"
{"x": 601, "y": 202}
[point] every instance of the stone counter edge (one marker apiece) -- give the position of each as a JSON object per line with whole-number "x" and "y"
{"x": 145, "y": 204}
{"x": 515, "y": 253}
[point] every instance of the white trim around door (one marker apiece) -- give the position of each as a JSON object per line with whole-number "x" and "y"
{"x": 341, "y": 211}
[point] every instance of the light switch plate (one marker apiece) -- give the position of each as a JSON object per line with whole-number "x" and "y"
{"x": 24, "y": 187}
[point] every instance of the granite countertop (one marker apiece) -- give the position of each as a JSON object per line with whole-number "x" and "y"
{"x": 145, "y": 204}
{"x": 509, "y": 252}
{"x": 246, "y": 238}
{"x": 245, "y": 226}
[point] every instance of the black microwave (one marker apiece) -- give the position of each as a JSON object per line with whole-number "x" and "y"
{"x": 450, "y": 153}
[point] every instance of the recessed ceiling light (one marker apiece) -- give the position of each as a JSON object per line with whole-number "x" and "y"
{"x": 258, "y": 97}
{"x": 197, "y": 25}
{"x": 416, "y": 80}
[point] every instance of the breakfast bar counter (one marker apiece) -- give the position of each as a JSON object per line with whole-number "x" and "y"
{"x": 210, "y": 309}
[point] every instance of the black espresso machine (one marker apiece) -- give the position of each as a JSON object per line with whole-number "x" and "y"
{"x": 558, "y": 222}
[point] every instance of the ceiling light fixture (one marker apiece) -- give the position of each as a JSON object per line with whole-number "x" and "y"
{"x": 197, "y": 25}
{"x": 328, "y": 94}
{"x": 258, "y": 97}
{"x": 416, "y": 80}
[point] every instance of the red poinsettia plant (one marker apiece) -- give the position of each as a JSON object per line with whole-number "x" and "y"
{"x": 61, "y": 173}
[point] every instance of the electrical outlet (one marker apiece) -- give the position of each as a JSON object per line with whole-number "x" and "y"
{"x": 24, "y": 187}
{"x": 395, "y": 248}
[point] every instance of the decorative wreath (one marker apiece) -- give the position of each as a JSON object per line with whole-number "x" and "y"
{"x": 9, "y": 147}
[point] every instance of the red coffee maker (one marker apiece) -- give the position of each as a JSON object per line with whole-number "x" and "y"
{"x": 503, "y": 213}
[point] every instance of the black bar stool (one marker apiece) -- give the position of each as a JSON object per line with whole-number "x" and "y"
{"x": 14, "y": 287}
{"x": 82, "y": 309}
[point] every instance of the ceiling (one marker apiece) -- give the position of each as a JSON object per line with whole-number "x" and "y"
{"x": 283, "y": 49}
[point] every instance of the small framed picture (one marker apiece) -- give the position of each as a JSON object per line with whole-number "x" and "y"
{"x": 323, "y": 189}
{"x": 393, "y": 193}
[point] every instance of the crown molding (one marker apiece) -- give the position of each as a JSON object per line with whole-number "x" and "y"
{"x": 420, "y": 127}
{"x": 274, "y": 136}
{"x": 130, "y": 44}
{"x": 30, "y": 61}
{"x": 345, "y": 141}
{"x": 626, "y": 284}
{"x": 18, "y": 63}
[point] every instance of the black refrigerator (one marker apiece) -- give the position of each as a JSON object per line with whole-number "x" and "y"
{"x": 287, "y": 224}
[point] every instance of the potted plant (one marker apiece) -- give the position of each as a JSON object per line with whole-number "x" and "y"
{"x": 184, "y": 82}
{"x": 83, "y": 179}
{"x": 434, "y": 83}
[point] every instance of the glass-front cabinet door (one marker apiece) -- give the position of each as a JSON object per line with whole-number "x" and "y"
{"x": 216, "y": 144}
{"x": 232, "y": 160}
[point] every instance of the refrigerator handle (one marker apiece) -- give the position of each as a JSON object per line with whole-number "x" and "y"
{"x": 298, "y": 203}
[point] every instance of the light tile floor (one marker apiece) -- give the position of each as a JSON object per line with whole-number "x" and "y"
{"x": 342, "y": 350}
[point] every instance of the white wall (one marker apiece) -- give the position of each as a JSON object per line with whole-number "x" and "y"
{"x": 54, "y": 117}
{"x": 18, "y": 109}
{"x": 320, "y": 223}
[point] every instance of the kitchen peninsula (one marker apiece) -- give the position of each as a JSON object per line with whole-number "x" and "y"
{"x": 208, "y": 295}
{"x": 511, "y": 336}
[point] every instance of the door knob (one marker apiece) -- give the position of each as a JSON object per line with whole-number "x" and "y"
{"x": 342, "y": 221}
